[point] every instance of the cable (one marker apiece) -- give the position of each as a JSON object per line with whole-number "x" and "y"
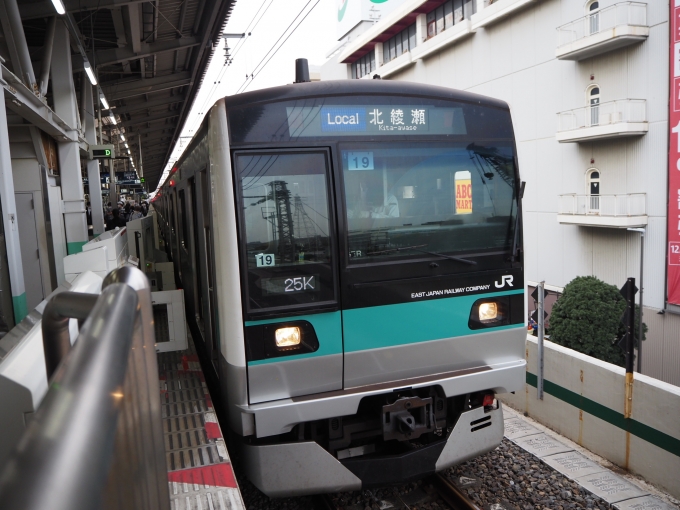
{"x": 255, "y": 73}
{"x": 240, "y": 44}
{"x": 282, "y": 34}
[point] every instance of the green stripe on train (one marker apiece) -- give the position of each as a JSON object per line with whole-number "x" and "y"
{"x": 645, "y": 432}
{"x": 419, "y": 321}
{"x": 328, "y": 329}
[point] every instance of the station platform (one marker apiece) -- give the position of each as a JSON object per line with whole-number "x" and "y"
{"x": 622, "y": 491}
{"x": 200, "y": 473}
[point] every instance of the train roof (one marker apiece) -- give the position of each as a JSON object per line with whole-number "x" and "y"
{"x": 351, "y": 87}
{"x": 357, "y": 87}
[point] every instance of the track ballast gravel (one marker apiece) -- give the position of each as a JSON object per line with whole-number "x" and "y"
{"x": 507, "y": 475}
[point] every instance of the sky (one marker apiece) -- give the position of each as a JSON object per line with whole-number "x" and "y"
{"x": 300, "y": 28}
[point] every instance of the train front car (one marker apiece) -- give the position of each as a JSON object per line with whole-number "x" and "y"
{"x": 381, "y": 281}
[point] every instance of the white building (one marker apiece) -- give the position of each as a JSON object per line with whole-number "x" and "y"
{"x": 588, "y": 85}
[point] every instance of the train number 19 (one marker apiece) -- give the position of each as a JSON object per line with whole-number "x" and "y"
{"x": 264, "y": 260}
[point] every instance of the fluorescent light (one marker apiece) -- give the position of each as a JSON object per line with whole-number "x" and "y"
{"x": 113, "y": 118}
{"x": 104, "y": 103}
{"x": 122, "y": 137}
{"x": 59, "y": 6}
{"x": 126, "y": 146}
{"x": 90, "y": 74}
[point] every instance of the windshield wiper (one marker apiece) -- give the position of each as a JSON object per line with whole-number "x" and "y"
{"x": 518, "y": 222}
{"x": 417, "y": 248}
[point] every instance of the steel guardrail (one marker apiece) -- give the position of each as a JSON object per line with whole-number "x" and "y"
{"x": 94, "y": 442}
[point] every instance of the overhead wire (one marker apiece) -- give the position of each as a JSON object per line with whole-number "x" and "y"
{"x": 247, "y": 83}
{"x": 241, "y": 42}
{"x": 255, "y": 70}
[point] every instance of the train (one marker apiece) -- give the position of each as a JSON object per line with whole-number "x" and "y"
{"x": 351, "y": 257}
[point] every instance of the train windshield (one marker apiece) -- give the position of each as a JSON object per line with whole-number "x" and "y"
{"x": 285, "y": 218}
{"x": 410, "y": 199}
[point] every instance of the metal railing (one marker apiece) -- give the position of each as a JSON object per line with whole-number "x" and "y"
{"x": 97, "y": 440}
{"x": 624, "y": 13}
{"x": 633, "y": 204}
{"x": 611, "y": 112}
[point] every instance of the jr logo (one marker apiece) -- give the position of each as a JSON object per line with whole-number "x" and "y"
{"x": 506, "y": 278}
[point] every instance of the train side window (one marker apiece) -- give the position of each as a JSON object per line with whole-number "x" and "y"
{"x": 285, "y": 215}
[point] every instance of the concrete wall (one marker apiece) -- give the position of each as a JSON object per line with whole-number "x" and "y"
{"x": 583, "y": 400}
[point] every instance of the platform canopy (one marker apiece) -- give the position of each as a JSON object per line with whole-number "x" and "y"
{"x": 150, "y": 57}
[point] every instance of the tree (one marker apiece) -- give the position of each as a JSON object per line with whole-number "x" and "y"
{"x": 587, "y": 318}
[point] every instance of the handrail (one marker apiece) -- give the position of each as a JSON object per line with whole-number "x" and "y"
{"x": 603, "y": 114}
{"x": 91, "y": 443}
{"x": 630, "y": 204}
{"x": 622, "y": 13}
{"x": 55, "y": 324}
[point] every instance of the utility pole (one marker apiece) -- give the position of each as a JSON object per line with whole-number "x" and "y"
{"x": 628, "y": 292}
{"x": 642, "y": 265}
{"x": 541, "y": 333}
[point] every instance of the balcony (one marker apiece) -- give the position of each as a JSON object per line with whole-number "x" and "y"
{"x": 496, "y": 10}
{"x": 613, "y": 211}
{"x": 605, "y": 30}
{"x": 614, "y": 119}
{"x": 440, "y": 41}
{"x": 395, "y": 65}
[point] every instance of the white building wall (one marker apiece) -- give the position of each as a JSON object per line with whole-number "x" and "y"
{"x": 514, "y": 60}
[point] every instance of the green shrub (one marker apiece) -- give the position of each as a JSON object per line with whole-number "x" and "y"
{"x": 587, "y": 316}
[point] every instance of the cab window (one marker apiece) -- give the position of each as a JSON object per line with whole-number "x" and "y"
{"x": 287, "y": 248}
{"x": 421, "y": 199}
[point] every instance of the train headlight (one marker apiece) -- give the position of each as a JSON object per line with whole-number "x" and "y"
{"x": 488, "y": 311}
{"x": 287, "y": 337}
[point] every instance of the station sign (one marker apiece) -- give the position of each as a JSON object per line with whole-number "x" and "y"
{"x": 102, "y": 152}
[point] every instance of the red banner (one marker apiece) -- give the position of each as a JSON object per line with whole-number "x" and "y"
{"x": 674, "y": 160}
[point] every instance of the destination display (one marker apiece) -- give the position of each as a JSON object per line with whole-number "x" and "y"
{"x": 374, "y": 120}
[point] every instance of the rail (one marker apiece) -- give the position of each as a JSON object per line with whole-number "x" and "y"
{"x": 96, "y": 441}
{"x": 623, "y": 13}
{"x": 611, "y": 112}
{"x": 633, "y": 204}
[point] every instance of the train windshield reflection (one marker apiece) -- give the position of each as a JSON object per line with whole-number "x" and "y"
{"x": 439, "y": 198}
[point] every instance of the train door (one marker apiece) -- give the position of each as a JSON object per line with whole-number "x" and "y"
{"x": 197, "y": 282}
{"x": 186, "y": 262}
{"x": 206, "y": 254}
{"x": 289, "y": 273}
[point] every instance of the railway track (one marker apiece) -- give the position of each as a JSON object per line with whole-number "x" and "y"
{"x": 436, "y": 489}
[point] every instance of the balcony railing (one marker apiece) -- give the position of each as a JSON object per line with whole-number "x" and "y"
{"x": 624, "y": 13}
{"x": 618, "y": 211}
{"x": 611, "y": 112}
{"x": 624, "y": 117}
{"x": 634, "y": 204}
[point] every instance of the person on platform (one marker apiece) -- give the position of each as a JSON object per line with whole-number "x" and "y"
{"x": 136, "y": 213}
{"x": 116, "y": 221}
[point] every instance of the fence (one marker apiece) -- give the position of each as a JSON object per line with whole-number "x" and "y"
{"x": 96, "y": 440}
{"x": 623, "y": 13}
{"x": 611, "y": 112}
{"x": 633, "y": 204}
{"x": 584, "y": 401}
